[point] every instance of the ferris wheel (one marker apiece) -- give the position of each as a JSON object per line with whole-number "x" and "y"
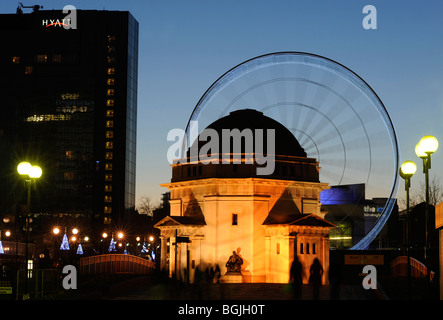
{"x": 334, "y": 114}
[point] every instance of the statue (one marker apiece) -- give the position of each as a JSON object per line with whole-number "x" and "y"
{"x": 234, "y": 263}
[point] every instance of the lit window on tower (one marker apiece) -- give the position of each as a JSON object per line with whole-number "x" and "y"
{"x": 28, "y": 70}
{"x": 42, "y": 58}
{"x": 68, "y": 175}
{"x": 56, "y": 58}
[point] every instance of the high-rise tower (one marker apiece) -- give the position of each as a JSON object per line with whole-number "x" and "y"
{"x": 69, "y": 103}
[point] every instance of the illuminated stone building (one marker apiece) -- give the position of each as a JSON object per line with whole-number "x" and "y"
{"x": 69, "y": 103}
{"x": 266, "y": 219}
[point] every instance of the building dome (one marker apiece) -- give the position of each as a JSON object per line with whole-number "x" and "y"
{"x": 285, "y": 142}
{"x": 244, "y": 130}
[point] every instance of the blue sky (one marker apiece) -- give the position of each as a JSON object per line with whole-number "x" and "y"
{"x": 186, "y": 45}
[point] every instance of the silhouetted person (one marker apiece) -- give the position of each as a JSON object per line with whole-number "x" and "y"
{"x": 334, "y": 281}
{"x": 296, "y": 277}
{"x": 316, "y": 272}
{"x": 198, "y": 279}
{"x": 217, "y": 274}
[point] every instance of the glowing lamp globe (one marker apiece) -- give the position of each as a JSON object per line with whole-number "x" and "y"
{"x": 408, "y": 168}
{"x": 419, "y": 151}
{"x": 36, "y": 172}
{"x": 24, "y": 168}
{"x": 429, "y": 144}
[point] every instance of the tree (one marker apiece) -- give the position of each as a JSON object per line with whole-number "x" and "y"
{"x": 147, "y": 206}
{"x": 419, "y": 196}
{"x": 435, "y": 192}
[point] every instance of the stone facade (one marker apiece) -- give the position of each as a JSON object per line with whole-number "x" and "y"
{"x": 266, "y": 221}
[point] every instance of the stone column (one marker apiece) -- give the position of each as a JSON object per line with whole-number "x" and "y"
{"x": 325, "y": 255}
{"x": 163, "y": 252}
{"x": 172, "y": 255}
{"x": 268, "y": 258}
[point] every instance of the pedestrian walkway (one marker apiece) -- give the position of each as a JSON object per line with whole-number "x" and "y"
{"x": 238, "y": 291}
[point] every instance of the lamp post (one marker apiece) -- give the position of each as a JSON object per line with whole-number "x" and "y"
{"x": 31, "y": 173}
{"x": 427, "y": 146}
{"x": 407, "y": 170}
{"x": 55, "y": 232}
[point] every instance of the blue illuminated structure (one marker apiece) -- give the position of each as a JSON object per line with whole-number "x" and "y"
{"x": 354, "y": 195}
{"x": 79, "y": 249}
{"x": 348, "y": 194}
{"x": 65, "y": 243}
{"x": 112, "y": 246}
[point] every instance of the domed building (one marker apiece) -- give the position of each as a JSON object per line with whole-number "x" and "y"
{"x": 248, "y": 192}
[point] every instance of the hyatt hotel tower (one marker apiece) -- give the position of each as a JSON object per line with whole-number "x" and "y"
{"x": 68, "y": 103}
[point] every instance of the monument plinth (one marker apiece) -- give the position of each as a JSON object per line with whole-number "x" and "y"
{"x": 232, "y": 277}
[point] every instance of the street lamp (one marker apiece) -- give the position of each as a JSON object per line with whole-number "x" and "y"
{"x": 407, "y": 170}
{"x": 30, "y": 172}
{"x": 26, "y": 169}
{"x": 427, "y": 146}
{"x": 55, "y": 232}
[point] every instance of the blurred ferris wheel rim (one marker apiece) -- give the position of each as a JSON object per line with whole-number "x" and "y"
{"x": 329, "y": 72}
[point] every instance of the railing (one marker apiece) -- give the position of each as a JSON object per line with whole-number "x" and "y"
{"x": 115, "y": 263}
{"x": 399, "y": 268}
{"x": 18, "y": 283}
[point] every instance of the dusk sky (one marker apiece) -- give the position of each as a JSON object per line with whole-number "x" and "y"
{"x": 184, "y": 46}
